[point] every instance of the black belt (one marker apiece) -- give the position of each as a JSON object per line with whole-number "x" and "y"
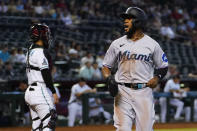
{"x": 135, "y": 86}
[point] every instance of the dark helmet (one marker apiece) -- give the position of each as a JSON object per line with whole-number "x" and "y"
{"x": 138, "y": 15}
{"x": 40, "y": 32}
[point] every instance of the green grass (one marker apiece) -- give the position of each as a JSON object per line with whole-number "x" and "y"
{"x": 188, "y": 129}
{"x": 183, "y": 129}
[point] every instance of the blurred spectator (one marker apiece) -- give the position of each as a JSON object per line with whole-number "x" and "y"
{"x": 75, "y": 18}
{"x": 173, "y": 86}
{"x": 20, "y": 6}
{"x": 38, "y": 8}
{"x": 3, "y": 7}
{"x": 13, "y": 57}
{"x": 22, "y": 88}
{"x": 167, "y": 31}
{"x": 29, "y": 7}
{"x": 1, "y": 69}
{"x": 177, "y": 13}
{"x": 194, "y": 37}
{"x": 86, "y": 71}
{"x": 60, "y": 51}
{"x": 99, "y": 59}
{"x": 12, "y": 6}
{"x": 66, "y": 18}
{"x": 73, "y": 62}
{"x": 55, "y": 73}
{"x": 61, "y": 4}
{"x": 88, "y": 58}
{"x": 79, "y": 50}
{"x": 182, "y": 26}
{"x": 97, "y": 75}
{"x": 8, "y": 71}
{"x": 172, "y": 71}
{"x": 97, "y": 111}
{"x": 193, "y": 74}
{"x": 157, "y": 23}
{"x": 73, "y": 54}
{"x": 166, "y": 12}
{"x": 191, "y": 23}
{"x": 20, "y": 56}
{"x": 4, "y": 54}
{"x": 75, "y": 104}
{"x": 52, "y": 12}
{"x": 47, "y": 5}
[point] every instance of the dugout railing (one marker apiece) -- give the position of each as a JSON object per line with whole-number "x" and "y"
{"x": 16, "y": 99}
{"x": 105, "y": 95}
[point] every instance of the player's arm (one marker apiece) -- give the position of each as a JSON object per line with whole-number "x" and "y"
{"x": 106, "y": 72}
{"x": 161, "y": 62}
{"x": 46, "y": 74}
{"x": 159, "y": 75}
{"x": 86, "y": 91}
{"x": 89, "y": 90}
{"x": 161, "y": 72}
{"x": 109, "y": 62}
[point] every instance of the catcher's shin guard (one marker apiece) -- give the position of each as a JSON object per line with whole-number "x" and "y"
{"x": 51, "y": 118}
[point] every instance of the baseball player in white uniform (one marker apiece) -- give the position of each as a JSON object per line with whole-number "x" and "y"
{"x": 137, "y": 55}
{"x": 40, "y": 94}
{"x": 75, "y": 104}
{"x": 173, "y": 85}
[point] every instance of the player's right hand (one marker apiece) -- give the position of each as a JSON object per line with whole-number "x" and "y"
{"x": 153, "y": 82}
{"x": 56, "y": 99}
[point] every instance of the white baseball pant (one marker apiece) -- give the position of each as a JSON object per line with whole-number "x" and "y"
{"x": 40, "y": 102}
{"x": 134, "y": 106}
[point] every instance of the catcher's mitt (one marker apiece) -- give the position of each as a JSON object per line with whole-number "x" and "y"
{"x": 112, "y": 86}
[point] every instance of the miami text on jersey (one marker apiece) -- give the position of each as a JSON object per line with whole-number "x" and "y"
{"x": 126, "y": 55}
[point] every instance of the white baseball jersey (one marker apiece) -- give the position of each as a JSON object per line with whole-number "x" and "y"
{"x": 136, "y": 59}
{"x": 77, "y": 89}
{"x": 36, "y": 59}
{"x": 171, "y": 85}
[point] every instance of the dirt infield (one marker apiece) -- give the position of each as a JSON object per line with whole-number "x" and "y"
{"x": 108, "y": 127}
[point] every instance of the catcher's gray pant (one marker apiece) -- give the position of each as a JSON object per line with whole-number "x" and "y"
{"x": 134, "y": 106}
{"x": 40, "y": 101}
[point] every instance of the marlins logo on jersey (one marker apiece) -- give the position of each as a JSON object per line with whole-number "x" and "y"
{"x": 128, "y": 55}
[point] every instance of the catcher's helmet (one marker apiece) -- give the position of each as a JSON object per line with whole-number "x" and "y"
{"x": 138, "y": 15}
{"x": 40, "y": 32}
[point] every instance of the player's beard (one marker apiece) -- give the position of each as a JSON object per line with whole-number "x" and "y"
{"x": 131, "y": 32}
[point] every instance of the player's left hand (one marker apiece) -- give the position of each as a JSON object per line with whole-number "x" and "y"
{"x": 152, "y": 83}
{"x": 56, "y": 99}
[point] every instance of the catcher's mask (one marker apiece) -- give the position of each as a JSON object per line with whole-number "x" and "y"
{"x": 138, "y": 17}
{"x": 40, "y": 32}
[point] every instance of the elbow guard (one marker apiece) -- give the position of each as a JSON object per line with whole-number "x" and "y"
{"x": 160, "y": 73}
